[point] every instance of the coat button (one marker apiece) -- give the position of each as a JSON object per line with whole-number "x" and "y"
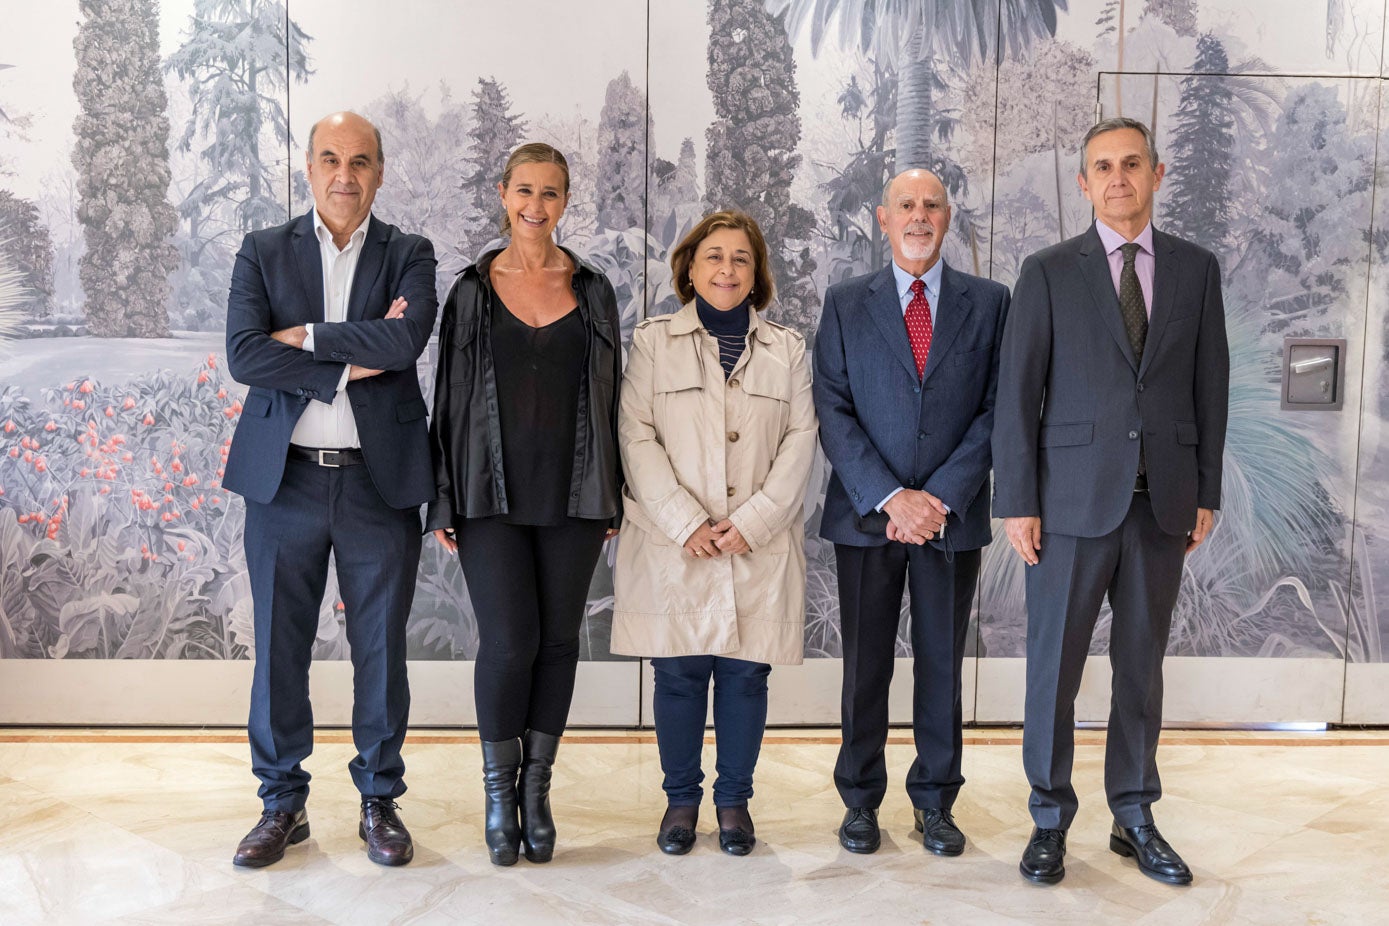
{"x": 1133, "y": 435}
{"x": 1140, "y": 387}
{"x": 731, "y": 490}
{"x": 920, "y": 435}
{"x": 733, "y": 437}
{"x": 732, "y": 384}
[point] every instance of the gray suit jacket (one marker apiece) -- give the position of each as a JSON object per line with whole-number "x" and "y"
{"x": 1073, "y": 403}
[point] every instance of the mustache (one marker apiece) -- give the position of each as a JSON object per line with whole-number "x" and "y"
{"x": 919, "y": 227}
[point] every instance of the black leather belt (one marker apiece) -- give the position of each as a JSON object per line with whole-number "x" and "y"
{"x": 349, "y": 456}
{"x": 1140, "y": 484}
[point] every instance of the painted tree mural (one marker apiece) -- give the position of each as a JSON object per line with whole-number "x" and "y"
{"x": 911, "y": 36}
{"x": 1196, "y": 204}
{"x": 624, "y": 125}
{"x": 495, "y": 132}
{"x": 122, "y": 159}
{"x": 751, "y": 160}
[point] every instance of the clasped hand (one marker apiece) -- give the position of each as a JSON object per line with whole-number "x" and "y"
{"x": 712, "y": 539}
{"x": 916, "y": 516}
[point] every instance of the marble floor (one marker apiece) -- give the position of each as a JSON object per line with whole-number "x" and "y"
{"x": 122, "y": 826}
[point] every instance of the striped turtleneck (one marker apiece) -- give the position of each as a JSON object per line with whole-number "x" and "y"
{"x": 728, "y": 329}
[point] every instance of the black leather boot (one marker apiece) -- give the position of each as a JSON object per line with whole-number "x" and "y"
{"x": 537, "y": 824}
{"x": 500, "y": 763}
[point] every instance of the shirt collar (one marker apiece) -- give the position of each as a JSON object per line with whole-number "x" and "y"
{"x": 931, "y": 278}
{"x": 323, "y": 234}
{"x": 1112, "y": 240}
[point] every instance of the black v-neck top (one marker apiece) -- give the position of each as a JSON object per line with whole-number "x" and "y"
{"x": 538, "y": 371}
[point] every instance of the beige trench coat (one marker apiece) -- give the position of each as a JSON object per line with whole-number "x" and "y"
{"x": 694, "y": 448}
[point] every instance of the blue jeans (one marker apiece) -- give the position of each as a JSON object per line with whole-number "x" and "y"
{"x": 740, "y": 716}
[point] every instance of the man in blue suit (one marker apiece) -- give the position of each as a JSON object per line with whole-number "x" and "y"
{"x": 1112, "y": 403}
{"x": 326, "y": 317}
{"x": 906, "y": 364}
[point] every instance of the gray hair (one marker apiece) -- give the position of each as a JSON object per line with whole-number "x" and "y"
{"x": 380, "y": 149}
{"x": 887, "y": 187}
{"x": 1113, "y": 124}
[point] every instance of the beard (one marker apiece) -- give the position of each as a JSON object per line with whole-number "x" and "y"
{"x": 915, "y": 250}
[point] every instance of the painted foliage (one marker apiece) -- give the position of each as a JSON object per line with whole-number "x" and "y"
{"x": 117, "y": 234}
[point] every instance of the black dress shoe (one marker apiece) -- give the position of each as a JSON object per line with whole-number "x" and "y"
{"x": 677, "y": 833}
{"x": 388, "y": 841}
{"x": 1155, "y": 857}
{"x": 938, "y": 831}
{"x": 859, "y": 831}
{"x": 736, "y": 830}
{"x": 266, "y": 842}
{"x": 1043, "y": 861}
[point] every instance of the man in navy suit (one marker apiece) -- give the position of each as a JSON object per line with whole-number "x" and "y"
{"x": 1112, "y": 403}
{"x": 326, "y": 317}
{"x": 906, "y": 364}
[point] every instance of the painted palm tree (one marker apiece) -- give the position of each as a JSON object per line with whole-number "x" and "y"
{"x": 913, "y": 36}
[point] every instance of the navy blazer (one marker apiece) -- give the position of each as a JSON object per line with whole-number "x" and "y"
{"x": 882, "y": 427}
{"x": 1072, "y": 402}
{"x": 277, "y": 283}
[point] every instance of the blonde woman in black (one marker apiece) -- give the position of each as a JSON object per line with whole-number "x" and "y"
{"x": 526, "y": 461}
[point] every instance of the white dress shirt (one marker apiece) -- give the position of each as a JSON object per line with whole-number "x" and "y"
{"x": 322, "y": 425}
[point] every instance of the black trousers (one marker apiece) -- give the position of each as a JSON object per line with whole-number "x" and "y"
{"x": 1140, "y": 568}
{"x": 377, "y": 550}
{"x": 871, "y": 580}
{"x": 528, "y": 586}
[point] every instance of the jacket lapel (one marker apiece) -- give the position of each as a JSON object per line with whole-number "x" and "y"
{"x": 953, "y": 307}
{"x": 1094, "y": 263}
{"x": 1164, "y": 294}
{"x": 309, "y": 260}
{"x": 885, "y": 308}
{"x": 369, "y": 265}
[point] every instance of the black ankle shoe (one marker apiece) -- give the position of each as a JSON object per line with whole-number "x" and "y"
{"x": 1044, "y": 859}
{"x": 735, "y": 830}
{"x": 859, "y": 831}
{"x": 500, "y": 763}
{"x": 1155, "y": 857}
{"x": 537, "y": 823}
{"x": 677, "y": 833}
{"x": 939, "y": 834}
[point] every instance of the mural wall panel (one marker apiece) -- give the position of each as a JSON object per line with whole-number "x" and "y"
{"x": 116, "y": 539}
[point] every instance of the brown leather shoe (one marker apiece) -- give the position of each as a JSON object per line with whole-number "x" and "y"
{"x": 388, "y": 841}
{"x": 265, "y": 843}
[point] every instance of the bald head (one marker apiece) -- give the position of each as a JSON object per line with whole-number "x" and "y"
{"x": 345, "y": 169}
{"x": 915, "y": 216}
{"x": 915, "y": 175}
{"x": 352, "y": 121}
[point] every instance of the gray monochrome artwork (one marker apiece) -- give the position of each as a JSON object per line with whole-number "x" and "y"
{"x": 140, "y": 140}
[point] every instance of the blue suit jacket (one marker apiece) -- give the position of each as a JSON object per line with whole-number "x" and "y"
{"x": 1072, "y": 401}
{"x": 278, "y": 283}
{"x": 882, "y": 427}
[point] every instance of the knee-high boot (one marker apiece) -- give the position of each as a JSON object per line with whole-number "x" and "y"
{"x": 537, "y": 823}
{"x": 500, "y": 763}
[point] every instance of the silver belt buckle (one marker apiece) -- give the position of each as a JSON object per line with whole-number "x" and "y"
{"x": 323, "y": 458}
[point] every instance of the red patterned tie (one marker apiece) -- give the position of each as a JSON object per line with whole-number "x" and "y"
{"x": 918, "y": 318}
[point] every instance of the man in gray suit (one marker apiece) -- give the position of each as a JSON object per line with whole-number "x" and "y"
{"x": 1109, "y": 430}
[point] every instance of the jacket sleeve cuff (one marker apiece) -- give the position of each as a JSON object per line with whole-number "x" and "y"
{"x": 439, "y": 515}
{"x": 750, "y": 523}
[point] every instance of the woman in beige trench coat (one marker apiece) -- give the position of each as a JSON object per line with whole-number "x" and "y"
{"x": 717, "y": 431}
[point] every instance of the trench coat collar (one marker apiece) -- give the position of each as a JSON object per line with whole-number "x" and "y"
{"x": 687, "y": 320}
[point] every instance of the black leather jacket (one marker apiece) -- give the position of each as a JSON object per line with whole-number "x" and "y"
{"x": 465, "y": 431}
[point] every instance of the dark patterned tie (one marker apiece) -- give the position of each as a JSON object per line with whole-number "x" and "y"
{"x": 1131, "y": 303}
{"x": 1135, "y": 314}
{"x": 918, "y": 319}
